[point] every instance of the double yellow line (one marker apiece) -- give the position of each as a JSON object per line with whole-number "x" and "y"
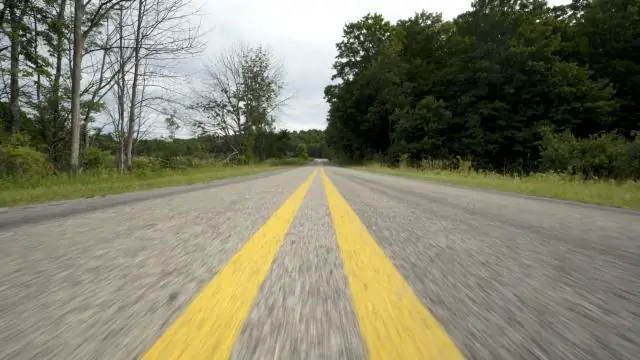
{"x": 393, "y": 322}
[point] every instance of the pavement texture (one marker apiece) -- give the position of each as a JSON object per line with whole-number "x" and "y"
{"x": 506, "y": 276}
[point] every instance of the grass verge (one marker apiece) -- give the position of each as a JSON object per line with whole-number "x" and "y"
{"x": 63, "y": 187}
{"x": 611, "y": 193}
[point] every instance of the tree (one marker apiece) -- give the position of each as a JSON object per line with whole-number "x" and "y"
{"x": 244, "y": 90}
{"x": 607, "y": 34}
{"x": 85, "y": 21}
{"x": 161, "y": 30}
{"x": 366, "y": 69}
{"x": 20, "y": 27}
{"x": 172, "y": 126}
{"x": 480, "y": 87}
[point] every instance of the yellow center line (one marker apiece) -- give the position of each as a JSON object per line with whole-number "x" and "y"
{"x": 210, "y": 325}
{"x": 393, "y": 322}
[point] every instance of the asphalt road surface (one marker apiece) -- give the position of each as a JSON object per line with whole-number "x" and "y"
{"x": 319, "y": 262}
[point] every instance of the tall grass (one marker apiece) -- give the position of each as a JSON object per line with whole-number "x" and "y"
{"x": 624, "y": 194}
{"x": 103, "y": 182}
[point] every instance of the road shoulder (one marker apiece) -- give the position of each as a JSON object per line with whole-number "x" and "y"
{"x": 18, "y": 216}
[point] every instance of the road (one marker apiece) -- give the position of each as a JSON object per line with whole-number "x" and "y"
{"x": 319, "y": 262}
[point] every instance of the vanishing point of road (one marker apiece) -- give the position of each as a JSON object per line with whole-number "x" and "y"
{"x": 319, "y": 262}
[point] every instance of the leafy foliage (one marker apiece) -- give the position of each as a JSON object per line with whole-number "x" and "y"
{"x": 597, "y": 156}
{"x": 505, "y": 85}
{"x": 21, "y": 162}
{"x": 244, "y": 88}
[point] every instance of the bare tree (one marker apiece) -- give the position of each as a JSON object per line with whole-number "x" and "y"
{"x": 104, "y": 75}
{"x": 116, "y": 117}
{"x": 152, "y": 35}
{"x": 120, "y": 90}
{"x": 84, "y": 22}
{"x": 162, "y": 32}
{"x": 243, "y": 90}
{"x": 144, "y": 124}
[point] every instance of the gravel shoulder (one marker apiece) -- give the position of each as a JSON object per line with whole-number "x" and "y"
{"x": 21, "y": 215}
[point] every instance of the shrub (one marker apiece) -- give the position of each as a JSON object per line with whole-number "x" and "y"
{"x": 632, "y": 161}
{"x": 598, "y": 156}
{"x": 18, "y": 140}
{"x": 239, "y": 160}
{"x": 95, "y": 158}
{"x": 289, "y": 161}
{"x": 444, "y": 164}
{"x": 145, "y": 164}
{"x": 23, "y": 162}
{"x": 179, "y": 162}
{"x": 303, "y": 153}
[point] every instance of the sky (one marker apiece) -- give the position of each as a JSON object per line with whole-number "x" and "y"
{"x": 302, "y": 35}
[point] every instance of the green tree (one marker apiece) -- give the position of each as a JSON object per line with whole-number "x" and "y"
{"x": 481, "y": 86}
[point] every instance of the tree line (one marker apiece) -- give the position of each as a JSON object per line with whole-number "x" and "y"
{"x": 512, "y": 86}
{"x": 84, "y": 80}
{"x": 271, "y": 145}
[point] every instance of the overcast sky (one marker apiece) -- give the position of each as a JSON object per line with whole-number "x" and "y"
{"x": 303, "y": 35}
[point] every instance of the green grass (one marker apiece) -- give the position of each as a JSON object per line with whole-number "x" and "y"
{"x": 612, "y": 193}
{"x": 63, "y": 187}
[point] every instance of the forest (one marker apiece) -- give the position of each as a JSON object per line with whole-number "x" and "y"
{"x": 510, "y": 86}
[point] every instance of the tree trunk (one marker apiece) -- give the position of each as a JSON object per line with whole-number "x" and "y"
{"x": 76, "y": 76}
{"x": 53, "y": 127}
{"x": 121, "y": 113}
{"x": 134, "y": 86}
{"x": 14, "y": 84}
{"x": 139, "y": 127}
{"x": 40, "y": 114}
{"x": 55, "y": 88}
{"x": 95, "y": 96}
{"x": 132, "y": 112}
{"x": 121, "y": 94}
{"x": 35, "y": 51}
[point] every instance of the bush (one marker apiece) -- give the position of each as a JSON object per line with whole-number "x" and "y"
{"x": 180, "y": 162}
{"x": 445, "y": 164}
{"x": 23, "y": 162}
{"x": 598, "y": 156}
{"x": 288, "y": 161}
{"x": 145, "y": 164}
{"x": 632, "y": 161}
{"x": 239, "y": 160}
{"x": 95, "y": 158}
{"x": 18, "y": 140}
{"x": 303, "y": 153}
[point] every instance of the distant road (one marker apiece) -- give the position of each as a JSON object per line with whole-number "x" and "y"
{"x": 319, "y": 262}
